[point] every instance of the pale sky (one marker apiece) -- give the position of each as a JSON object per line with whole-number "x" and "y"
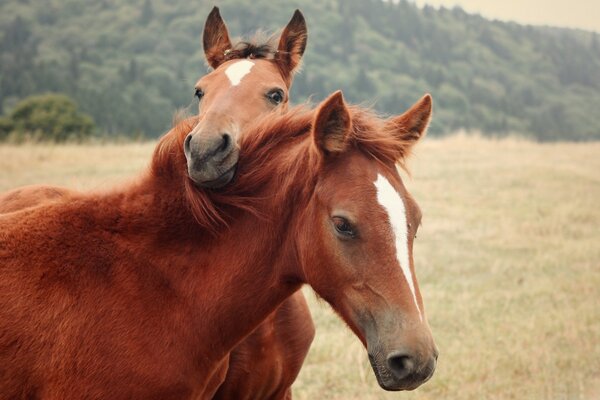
{"x": 584, "y": 14}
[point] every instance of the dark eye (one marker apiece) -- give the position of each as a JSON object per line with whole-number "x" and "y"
{"x": 409, "y": 228}
{"x": 275, "y": 96}
{"x": 199, "y": 94}
{"x": 344, "y": 227}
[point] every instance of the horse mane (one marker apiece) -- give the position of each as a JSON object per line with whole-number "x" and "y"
{"x": 260, "y": 45}
{"x": 169, "y": 163}
{"x": 263, "y": 160}
{"x": 370, "y": 134}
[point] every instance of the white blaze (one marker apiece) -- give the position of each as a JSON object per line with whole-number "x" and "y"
{"x": 392, "y": 202}
{"x": 237, "y": 71}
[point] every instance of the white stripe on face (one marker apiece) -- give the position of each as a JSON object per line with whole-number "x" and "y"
{"x": 237, "y": 71}
{"x": 393, "y": 204}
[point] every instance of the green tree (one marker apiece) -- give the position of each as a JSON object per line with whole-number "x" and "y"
{"x": 131, "y": 64}
{"x": 147, "y": 12}
{"x": 6, "y": 127}
{"x": 49, "y": 117}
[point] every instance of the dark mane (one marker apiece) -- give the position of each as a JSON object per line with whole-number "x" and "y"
{"x": 263, "y": 160}
{"x": 258, "y": 46}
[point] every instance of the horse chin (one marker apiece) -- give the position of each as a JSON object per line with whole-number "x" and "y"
{"x": 383, "y": 375}
{"x": 220, "y": 181}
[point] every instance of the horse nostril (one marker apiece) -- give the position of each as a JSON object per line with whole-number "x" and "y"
{"x": 186, "y": 143}
{"x": 402, "y": 365}
{"x": 226, "y": 141}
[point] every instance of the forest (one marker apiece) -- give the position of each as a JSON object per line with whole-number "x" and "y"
{"x": 131, "y": 64}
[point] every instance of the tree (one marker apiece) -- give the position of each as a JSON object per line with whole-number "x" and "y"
{"x": 131, "y": 64}
{"x": 50, "y": 117}
{"x": 364, "y": 86}
{"x": 147, "y": 12}
{"x": 18, "y": 50}
{"x": 595, "y": 44}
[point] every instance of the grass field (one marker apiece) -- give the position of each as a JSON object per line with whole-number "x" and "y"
{"x": 508, "y": 260}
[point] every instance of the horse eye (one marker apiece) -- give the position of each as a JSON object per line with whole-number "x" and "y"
{"x": 199, "y": 94}
{"x": 409, "y": 227}
{"x": 344, "y": 227}
{"x": 275, "y": 96}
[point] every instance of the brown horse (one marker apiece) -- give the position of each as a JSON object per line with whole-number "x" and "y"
{"x": 252, "y": 79}
{"x": 126, "y": 294}
{"x": 275, "y": 350}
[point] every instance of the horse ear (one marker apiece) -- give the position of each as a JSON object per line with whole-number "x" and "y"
{"x": 292, "y": 43}
{"x": 332, "y": 124}
{"x": 215, "y": 38}
{"x": 412, "y": 125}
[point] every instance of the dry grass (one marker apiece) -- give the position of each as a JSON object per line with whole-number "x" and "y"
{"x": 508, "y": 261}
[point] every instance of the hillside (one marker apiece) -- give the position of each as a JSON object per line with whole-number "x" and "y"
{"x": 130, "y": 64}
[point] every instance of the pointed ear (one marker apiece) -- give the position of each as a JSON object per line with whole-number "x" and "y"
{"x": 332, "y": 124}
{"x": 412, "y": 125}
{"x": 292, "y": 43}
{"x": 215, "y": 38}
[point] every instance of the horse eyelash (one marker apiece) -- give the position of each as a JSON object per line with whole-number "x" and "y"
{"x": 410, "y": 226}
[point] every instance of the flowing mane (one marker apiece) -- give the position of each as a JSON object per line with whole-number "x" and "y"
{"x": 262, "y": 159}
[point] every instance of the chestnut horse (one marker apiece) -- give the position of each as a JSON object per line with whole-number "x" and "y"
{"x": 275, "y": 351}
{"x": 126, "y": 294}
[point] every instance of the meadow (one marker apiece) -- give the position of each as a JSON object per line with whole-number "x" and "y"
{"x": 508, "y": 261}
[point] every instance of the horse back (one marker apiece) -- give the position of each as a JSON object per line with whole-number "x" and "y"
{"x": 31, "y": 196}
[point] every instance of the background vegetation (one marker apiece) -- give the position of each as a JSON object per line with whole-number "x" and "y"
{"x": 51, "y": 117}
{"x": 130, "y": 64}
{"x": 507, "y": 260}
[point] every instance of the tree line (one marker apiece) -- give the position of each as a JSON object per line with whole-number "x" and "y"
{"x": 131, "y": 64}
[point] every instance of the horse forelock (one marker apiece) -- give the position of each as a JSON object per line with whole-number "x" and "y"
{"x": 260, "y": 46}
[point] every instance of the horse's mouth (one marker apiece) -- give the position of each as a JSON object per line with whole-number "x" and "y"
{"x": 224, "y": 179}
{"x": 387, "y": 381}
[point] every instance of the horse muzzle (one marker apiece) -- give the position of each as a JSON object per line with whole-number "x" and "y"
{"x": 211, "y": 160}
{"x": 402, "y": 370}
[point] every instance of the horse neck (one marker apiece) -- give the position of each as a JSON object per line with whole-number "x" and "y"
{"x": 257, "y": 259}
{"x": 231, "y": 281}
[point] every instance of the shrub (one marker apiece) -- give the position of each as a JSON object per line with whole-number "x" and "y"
{"x": 51, "y": 117}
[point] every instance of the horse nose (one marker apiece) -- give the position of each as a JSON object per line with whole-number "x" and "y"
{"x": 401, "y": 364}
{"x": 407, "y": 367}
{"x": 211, "y": 159}
{"x": 186, "y": 143}
{"x": 225, "y": 146}
{"x": 218, "y": 148}
{"x": 202, "y": 149}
